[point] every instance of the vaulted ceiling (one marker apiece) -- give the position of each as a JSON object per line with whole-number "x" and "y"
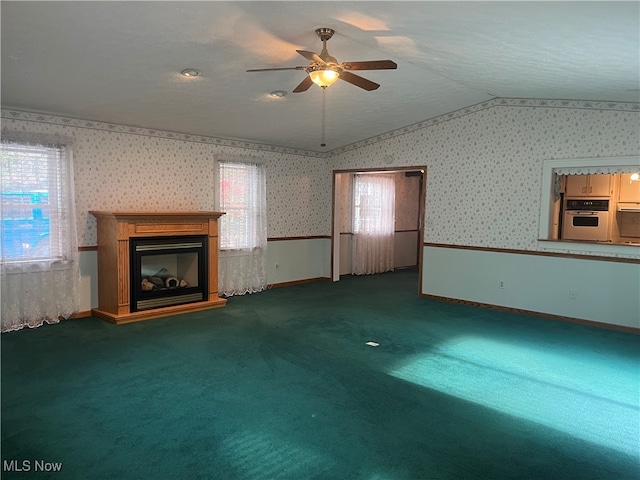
{"x": 120, "y": 62}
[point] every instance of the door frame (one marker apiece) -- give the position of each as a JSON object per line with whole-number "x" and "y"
{"x": 335, "y": 213}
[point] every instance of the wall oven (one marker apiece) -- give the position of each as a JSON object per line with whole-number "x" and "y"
{"x": 586, "y": 220}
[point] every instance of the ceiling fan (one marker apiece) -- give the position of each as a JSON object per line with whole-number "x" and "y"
{"x": 324, "y": 69}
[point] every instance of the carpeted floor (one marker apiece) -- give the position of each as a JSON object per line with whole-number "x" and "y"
{"x": 282, "y": 385}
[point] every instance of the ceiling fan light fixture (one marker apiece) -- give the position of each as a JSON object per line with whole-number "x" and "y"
{"x": 324, "y": 77}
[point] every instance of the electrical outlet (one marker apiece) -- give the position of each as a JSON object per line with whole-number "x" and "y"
{"x": 501, "y": 284}
{"x": 573, "y": 294}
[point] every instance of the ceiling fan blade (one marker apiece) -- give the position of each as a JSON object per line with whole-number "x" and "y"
{"x": 358, "y": 81}
{"x": 370, "y": 65}
{"x": 313, "y": 57}
{"x": 304, "y": 85}
{"x": 275, "y": 69}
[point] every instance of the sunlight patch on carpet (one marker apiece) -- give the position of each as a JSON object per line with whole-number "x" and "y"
{"x": 595, "y": 403}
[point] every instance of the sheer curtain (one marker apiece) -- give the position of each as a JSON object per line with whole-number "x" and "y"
{"x": 373, "y": 223}
{"x": 243, "y": 229}
{"x": 39, "y": 264}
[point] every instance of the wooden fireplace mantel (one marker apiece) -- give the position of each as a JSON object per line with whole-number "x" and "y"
{"x": 115, "y": 229}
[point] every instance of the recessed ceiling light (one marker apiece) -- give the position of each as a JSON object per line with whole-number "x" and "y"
{"x": 190, "y": 72}
{"x": 278, "y": 93}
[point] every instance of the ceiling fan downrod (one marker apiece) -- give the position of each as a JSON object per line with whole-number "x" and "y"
{"x": 325, "y": 34}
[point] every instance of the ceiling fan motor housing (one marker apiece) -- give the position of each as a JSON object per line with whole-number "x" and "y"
{"x": 325, "y": 33}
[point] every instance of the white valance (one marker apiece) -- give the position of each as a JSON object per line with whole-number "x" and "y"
{"x": 595, "y": 170}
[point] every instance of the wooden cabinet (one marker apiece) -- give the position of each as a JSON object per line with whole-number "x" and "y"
{"x": 629, "y": 190}
{"x": 588, "y": 186}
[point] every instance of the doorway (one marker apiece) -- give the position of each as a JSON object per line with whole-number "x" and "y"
{"x": 409, "y": 217}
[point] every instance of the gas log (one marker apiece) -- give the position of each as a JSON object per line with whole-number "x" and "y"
{"x": 161, "y": 281}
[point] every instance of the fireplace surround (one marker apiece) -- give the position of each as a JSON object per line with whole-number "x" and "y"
{"x": 155, "y": 264}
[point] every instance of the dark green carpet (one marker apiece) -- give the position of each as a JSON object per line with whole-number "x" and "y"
{"x": 281, "y": 385}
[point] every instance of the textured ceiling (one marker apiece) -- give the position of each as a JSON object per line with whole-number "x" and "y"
{"x": 119, "y": 62}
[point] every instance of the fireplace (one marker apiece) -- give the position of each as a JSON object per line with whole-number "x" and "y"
{"x": 154, "y": 264}
{"x": 167, "y": 271}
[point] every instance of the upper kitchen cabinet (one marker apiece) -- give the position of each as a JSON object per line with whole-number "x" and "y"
{"x": 629, "y": 190}
{"x": 588, "y": 186}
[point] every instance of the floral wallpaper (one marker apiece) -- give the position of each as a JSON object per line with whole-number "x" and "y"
{"x": 123, "y": 168}
{"x": 298, "y": 197}
{"x": 484, "y": 167}
{"x": 346, "y": 203}
{"x": 484, "y": 164}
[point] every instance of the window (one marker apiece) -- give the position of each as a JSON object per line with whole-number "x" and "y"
{"x": 373, "y": 195}
{"x": 35, "y": 209}
{"x": 243, "y": 228}
{"x": 39, "y": 270}
{"x": 550, "y": 202}
{"x": 242, "y": 198}
{"x": 372, "y": 250}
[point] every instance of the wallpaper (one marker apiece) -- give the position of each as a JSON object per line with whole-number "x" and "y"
{"x": 346, "y": 203}
{"x": 118, "y": 168}
{"x": 298, "y": 197}
{"x": 484, "y": 166}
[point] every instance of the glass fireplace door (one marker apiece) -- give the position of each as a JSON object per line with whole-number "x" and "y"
{"x": 168, "y": 271}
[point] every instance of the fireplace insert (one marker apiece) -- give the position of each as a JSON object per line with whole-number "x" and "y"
{"x": 168, "y": 271}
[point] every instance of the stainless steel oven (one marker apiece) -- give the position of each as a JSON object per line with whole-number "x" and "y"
{"x": 586, "y": 220}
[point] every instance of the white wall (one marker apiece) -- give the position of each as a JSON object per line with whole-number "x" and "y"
{"x": 346, "y": 250}
{"x": 405, "y": 249}
{"x": 595, "y": 290}
{"x": 299, "y": 259}
{"x": 88, "y": 280}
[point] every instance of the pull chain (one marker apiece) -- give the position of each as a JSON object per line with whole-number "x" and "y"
{"x": 324, "y": 115}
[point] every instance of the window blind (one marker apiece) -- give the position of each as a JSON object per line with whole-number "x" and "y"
{"x": 242, "y": 199}
{"x": 35, "y": 201}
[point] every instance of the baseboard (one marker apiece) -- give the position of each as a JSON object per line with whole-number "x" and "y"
{"x": 395, "y": 269}
{"x": 83, "y": 314}
{"x": 298, "y": 282}
{"x": 532, "y": 313}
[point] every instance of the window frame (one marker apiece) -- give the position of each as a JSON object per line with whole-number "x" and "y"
{"x": 251, "y": 240}
{"x": 59, "y": 172}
